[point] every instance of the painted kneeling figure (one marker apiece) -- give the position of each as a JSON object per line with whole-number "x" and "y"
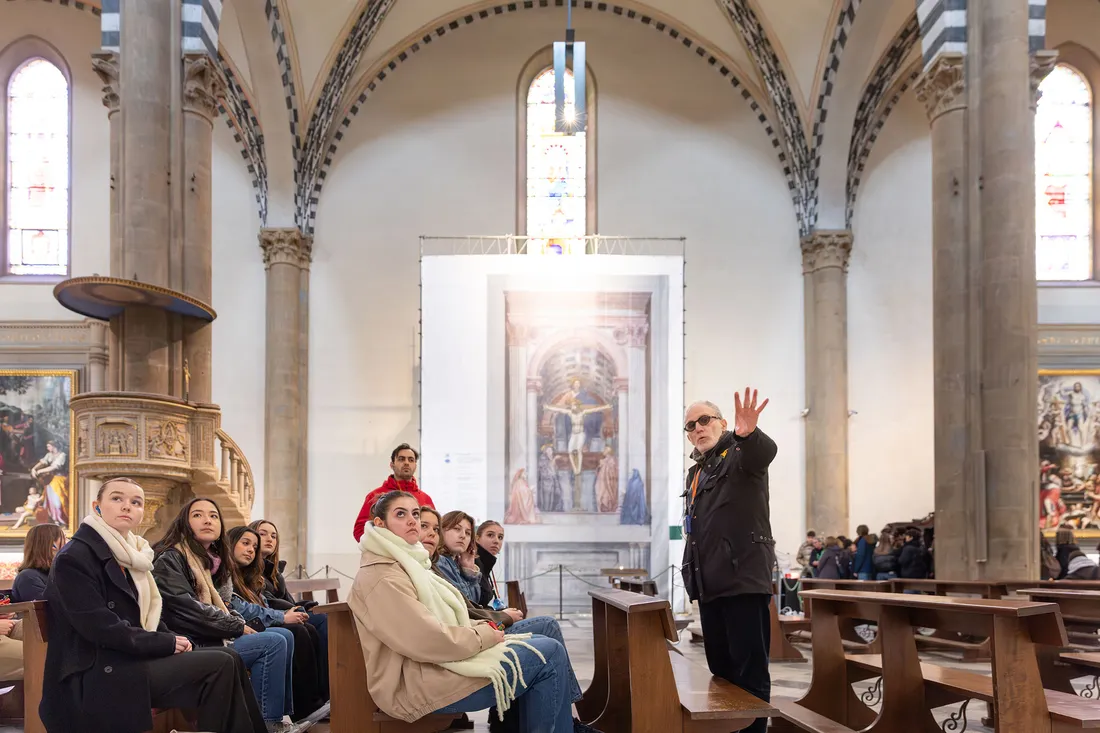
{"x": 425, "y": 653}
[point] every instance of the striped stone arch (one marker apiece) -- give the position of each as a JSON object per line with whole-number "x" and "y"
{"x": 942, "y": 27}
{"x": 382, "y": 70}
{"x": 308, "y": 165}
{"x": 286, "y": 71}
{"x": 241, "y": 118}
{"x": 870, "y": 117}
{"x": 201, "y": 19}
{"x": 799, "y": 169}
{"x": 841, "y": 33}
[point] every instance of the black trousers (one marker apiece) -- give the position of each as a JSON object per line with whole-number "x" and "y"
{"x": 737, "y": 633}
{"x": 213, "y": 681}
{"x": 310, "y": 675}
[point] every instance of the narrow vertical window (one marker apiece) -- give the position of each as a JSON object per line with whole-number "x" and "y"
{"x": 557, "y": 187}
{"x": 38, "y": 170}
{"x": 1063, "y": 167}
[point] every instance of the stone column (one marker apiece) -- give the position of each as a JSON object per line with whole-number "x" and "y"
{"x": 1009, "y": 309}
{"x": 825, "y": 263}
{"x": 621, "y": 386}
{"x": 942, "y": 89}
{"x": 105, "y": 66}
{"x": 517, "y": 399}
{"x": 284, "y": 250}
{"x": 201, "y": 84}
{"x": 304, "y": 262}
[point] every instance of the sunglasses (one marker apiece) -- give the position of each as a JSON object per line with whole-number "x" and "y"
{"x": 704, "y": 421}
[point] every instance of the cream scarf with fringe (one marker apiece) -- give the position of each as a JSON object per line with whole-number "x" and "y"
{"x": 448, "y": 606}
{"x": 133, "y": 553}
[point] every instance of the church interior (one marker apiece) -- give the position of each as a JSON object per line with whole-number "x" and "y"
{"x": 268, "y": 265}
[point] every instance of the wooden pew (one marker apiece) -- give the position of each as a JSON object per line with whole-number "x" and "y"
{"x": 645, "y": 587}
{"x": 911, "y": 689}
{"x": 516, "y": 597}
{"x": 304, "y": 588}
{"x": 973, "y": 649}
{"x": 640, "y": 685}
{"x": 852, "y": 640}
{"x": 1081, "y": 610}
{"x": 352, "y": 709}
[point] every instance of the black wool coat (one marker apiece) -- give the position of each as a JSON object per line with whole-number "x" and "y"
{"x": 95, "y": 680}
{"x": 729, "y": 550}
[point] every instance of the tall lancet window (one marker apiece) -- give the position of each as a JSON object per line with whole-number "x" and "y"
{"x": 37, "y": 170}
{"x": 557, "y": 173}
{"x": 1063, "y": 167}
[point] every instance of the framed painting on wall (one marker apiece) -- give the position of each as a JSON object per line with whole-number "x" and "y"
{"x": 1068, "y": 424}
{"x": 37, "y": 481}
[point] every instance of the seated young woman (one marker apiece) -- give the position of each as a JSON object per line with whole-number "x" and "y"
{"x": 429, "y": 538}
{"x": 111, "y": 658}
{"x": 425, "y": 654}
{"x": 40, "y": 546}
{"x": 310, "y": 677}
{"x": 490, "y": 539}
{"x": 192, "y": 570}
{"x": 457, "y": 541}
{"x": 275, "y": 592}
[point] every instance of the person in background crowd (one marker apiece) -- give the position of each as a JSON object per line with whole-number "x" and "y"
{"x": 815, "y": 555}
{"x": 885, "y": 557}
{"x": 729, "y": 554}
{"x": 111, "y": 658}
{"x": 1074, "y": 564}
{"x": 310, "y": 678}
{"x": 425, "y": 653}
{"x": 490, "y": 539}
{"x": 863, "y": 565}
{"x": 454, "y": 558}
{"x": 403, "y": 462}
{"x": 192, "y": 570}
{"x": 275, "y": 592}
{"x": 1049, "y": 567}
{"x": 831, "y": 564}
{"x": 40, "y": 546}
{"x": 913, "y": 560}
{"x": 804, "y": 552}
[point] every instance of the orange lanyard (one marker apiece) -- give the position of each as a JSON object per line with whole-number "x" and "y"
{"x": 695, "y": 484}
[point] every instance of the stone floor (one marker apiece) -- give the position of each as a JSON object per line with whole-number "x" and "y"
{"x": 788, "y": 680}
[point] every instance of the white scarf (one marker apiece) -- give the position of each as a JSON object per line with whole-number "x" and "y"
{"x": 448, "y": 606}
{"x": 136, "y": 555}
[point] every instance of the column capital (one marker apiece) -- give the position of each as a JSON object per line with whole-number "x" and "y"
{"x": 202, "y": 85}
{"x": 105, "y": 65}
{"x": 285, "y": 246}
{"x": 534, "y": 384}
{"x": 942, "y": 86}
{"x": 824, "y": 248}
{"x": 1041, "y": 64}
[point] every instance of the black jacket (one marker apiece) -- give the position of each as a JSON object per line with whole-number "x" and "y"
{"x": 1084, "y": 570}
{"x": 275, "y": 593}
{"x": 833, "y": 564}
{"x": 913, "y": 561}
{"x": 730, "y": 550}
{"x": 95, "y": 680}
{"x": 29, "y": 585}
{"x": 486, "y": 561}
{"x": 886, "y": 562}
{"x": 184, "y": 613}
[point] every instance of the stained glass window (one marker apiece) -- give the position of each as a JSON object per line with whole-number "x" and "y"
{"x": 1063, "y": 167}
{"x": 38, "y": 170}
{"x": 556, "y": 173}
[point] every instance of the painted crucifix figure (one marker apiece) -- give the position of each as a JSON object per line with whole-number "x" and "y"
{"x": 577, "y": 412}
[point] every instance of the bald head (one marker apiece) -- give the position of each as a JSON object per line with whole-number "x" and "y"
{"x": 704, "y": 424}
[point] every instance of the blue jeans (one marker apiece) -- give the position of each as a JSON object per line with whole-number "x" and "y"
{"x": 886, "y": 576}
{"x": 542, "y": 705}
{"x": 863, "y": 576}
{"x": 546, "y": 626}
{"x": 267, "y": 656}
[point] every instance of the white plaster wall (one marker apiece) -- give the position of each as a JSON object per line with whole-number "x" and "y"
{"x": 239, "y": 282}
{"x": 75, "y": 34}
{"x": 890, "y": 369}
{"x": 433, "y": 152}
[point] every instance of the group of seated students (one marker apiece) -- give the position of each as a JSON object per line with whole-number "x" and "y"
{"x": 200, "y": 621}
{"x": 435, "y": 636}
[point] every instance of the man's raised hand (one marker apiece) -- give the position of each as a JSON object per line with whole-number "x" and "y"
{"x": 746, "y": 413}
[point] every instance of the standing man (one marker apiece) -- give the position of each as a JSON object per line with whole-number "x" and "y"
{"x": 730, "y": 552}
{"x": 403, "y": 464}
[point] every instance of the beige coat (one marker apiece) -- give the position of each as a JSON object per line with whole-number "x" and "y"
{"x": 403, "y": 643}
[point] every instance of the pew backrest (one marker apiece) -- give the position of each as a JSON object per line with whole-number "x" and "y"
{"x": 516, "y": 597}
{"x": 304, "y": 588}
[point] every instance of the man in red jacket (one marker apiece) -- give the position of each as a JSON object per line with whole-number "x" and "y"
{"x": 403, "y": 464}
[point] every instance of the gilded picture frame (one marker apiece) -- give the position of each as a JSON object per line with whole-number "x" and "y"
{"x": 37, "y": 433}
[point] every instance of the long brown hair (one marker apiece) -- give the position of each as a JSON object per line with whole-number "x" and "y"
{"x": 450, "y": 521}
{"x": 38, "y": 552}
{"x": 180, "y": 533}
{"x": 274, "y": 557}
{"x": 248, "y": 580}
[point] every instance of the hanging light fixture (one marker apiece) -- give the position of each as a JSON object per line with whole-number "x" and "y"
{"x": 569, "y": 55}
